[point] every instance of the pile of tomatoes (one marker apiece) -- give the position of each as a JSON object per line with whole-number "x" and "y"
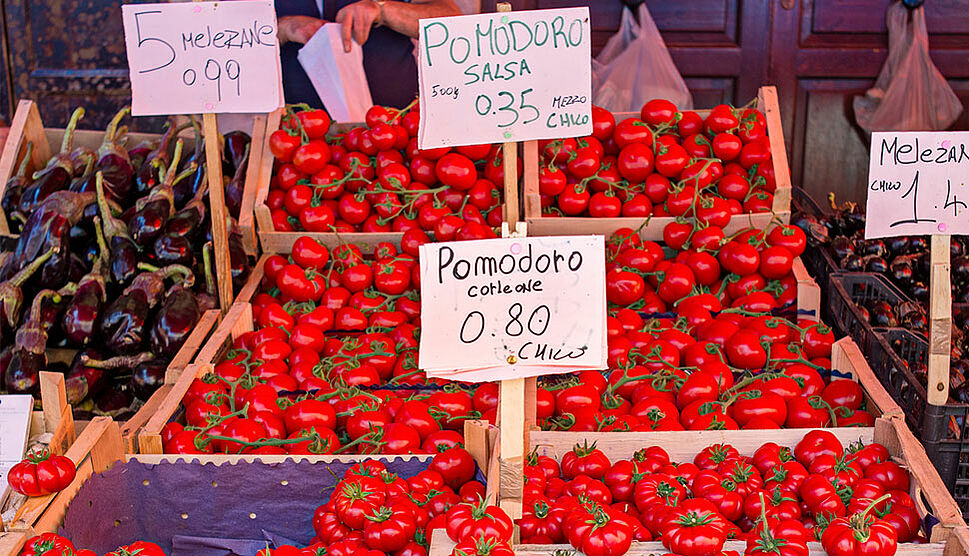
{"x": 331, "y": 366}
{"x": 699, "y": 337}
{"x": 375, "y": 179}
{"x": 52, "y": 544}
{"x": 854, "y": 500}
{"x": 373, "y": 511}
{"x": 664, "y": 163}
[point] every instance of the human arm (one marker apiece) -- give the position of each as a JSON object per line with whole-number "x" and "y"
{"x": 358, "y": 18}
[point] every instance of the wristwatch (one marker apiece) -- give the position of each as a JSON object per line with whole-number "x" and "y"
{"x": 380, "y": 14}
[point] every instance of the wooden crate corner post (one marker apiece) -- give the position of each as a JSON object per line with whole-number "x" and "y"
{"x": 26, "y": 127}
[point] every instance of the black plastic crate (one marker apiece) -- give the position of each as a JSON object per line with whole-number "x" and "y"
{"x": 892, "y": 354}
{"x": 848, "y": 290}
{"x": 817, "y": 258}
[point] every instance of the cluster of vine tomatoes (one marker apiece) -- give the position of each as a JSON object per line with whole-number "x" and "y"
{"x": 664, "y": 163}
{"x": 52, "y": 544}
{"x": 698, "y": 339}
{"x": 375, "y": 179}
{"x": 330, "y": 367}
{"x": 373, "y": 511}
{"x": 855, "y": 499}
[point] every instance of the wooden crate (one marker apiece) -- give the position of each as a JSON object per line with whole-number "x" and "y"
{"x": 949, "y": 536}
{"x": 11, "y": 543}
{"x": 257, "y": 191}
{"x": 96, "y": 449}
{"x": 186, "y": 354}
{"x": 238, "y": 321}
{"x": 538, "y": 225}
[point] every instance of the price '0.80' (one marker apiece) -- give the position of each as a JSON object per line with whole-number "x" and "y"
{"x": 505, "y": 106}
{"x": 537, "y": 323}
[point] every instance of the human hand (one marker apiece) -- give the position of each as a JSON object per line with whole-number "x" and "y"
{"x": 297, "y": 28}
{"x": 356, "y": 20}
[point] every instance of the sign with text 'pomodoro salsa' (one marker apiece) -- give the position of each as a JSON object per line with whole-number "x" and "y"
{"x": 202, "y": 57}
{"x": 511, "y": 308}
{"x": 918, "y": 184}
{"x": 505, "y": 77}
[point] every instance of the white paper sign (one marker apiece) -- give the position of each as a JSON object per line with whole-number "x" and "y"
{"x": 511, "y": 308}
{"x": 14, "y": 427}
{"x": 196, "y": 57}
{"x": 337, "y": 76}
{"x": 504, "y": 77}
{"x": 918, "y": 184}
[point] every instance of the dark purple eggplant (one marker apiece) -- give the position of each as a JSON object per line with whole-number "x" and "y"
{"x": 153, "y": 168}
{"x": 146, "y": 378}
{"x": 81, "y": 316}
{"x": 234, "y": 189}
{"x": 238, "y": 261}
{"x": 188, "y": 188}
{"x": 11, "y": 295}
{"x": 56, "y": 176}
{"x": 235, "y": 150}
{"x": 125, "y": 321}
{"x": 115, "y": 401}
{"x": 22, "y": 375}
{"x": 140, "y": 152}
{"x": 82, "y": 380}
{"x": 187, "y": 222}
{"x": 175, "y": 321}
{"x": 152, "y": 212}
{"x": 171, "y": 249}
{"x": 113, "y": 161}
{"x": 123, "y": 258}
{"x": 876, "y": 264}
{"x": 15, "y": 187}
{"x": 47, "y": 228}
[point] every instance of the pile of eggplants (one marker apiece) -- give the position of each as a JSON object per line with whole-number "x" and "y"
{"x": 113, "y": 260}
{"x": 905, "y": 262}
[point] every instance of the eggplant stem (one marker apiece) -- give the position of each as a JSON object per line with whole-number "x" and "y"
{"x": 22, "y": 169}
{"x": 69, "y": 131}
{"x": 111, "y": 132}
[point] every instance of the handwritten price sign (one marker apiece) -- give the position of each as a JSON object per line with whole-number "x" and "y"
{"x": 505, "y": 77}
{"x": 512, "y": 308}
{"x": 918, "y": 184}
{"x": 190, "y": 58}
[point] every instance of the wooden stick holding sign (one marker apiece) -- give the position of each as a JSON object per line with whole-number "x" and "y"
{"x": 940, "y": 320}
{"x": 217, "y": 210}
{"x": 917, "y": 186}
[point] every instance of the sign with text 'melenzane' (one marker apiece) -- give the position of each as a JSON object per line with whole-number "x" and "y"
{"x": 202, "y": 57}
{"x": 918, "y": 184}
{"x": 511, "y": 308}
{"x": 505, "y": 77}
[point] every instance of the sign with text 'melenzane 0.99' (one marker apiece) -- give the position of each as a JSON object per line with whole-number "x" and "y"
{"x": 918, "y": 184}
{"x": 198, "y": 57}
{"x": 505, "y": 77}
{"x": 510, "y": 308}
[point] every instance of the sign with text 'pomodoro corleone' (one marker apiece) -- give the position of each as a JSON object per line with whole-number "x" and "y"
{"x": 202, "y": 57}
{"x": 918, "y": 184}
{"x": 505, "y": 77}
{"x": 499, "y": 309}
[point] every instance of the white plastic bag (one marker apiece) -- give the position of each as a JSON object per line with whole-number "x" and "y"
{"x": 910, "y": 93}
{"x": 635, "y": 67}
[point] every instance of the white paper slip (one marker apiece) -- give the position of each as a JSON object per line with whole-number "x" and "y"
{"x": 203, "y": 57}
{"x": 337, "y": 76}
{"x": 14, "y": 426}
